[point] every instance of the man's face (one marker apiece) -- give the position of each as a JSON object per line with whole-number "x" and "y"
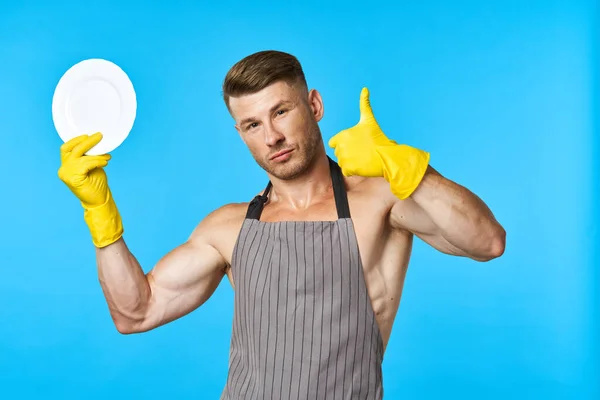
{"x": 279, "y": 125}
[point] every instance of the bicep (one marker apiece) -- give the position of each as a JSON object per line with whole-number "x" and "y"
{"x": 183, "y": 280}
{"x": 409, "y": 216}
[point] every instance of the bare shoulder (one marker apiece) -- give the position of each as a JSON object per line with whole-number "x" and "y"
{"x": 228, "y": 213}
{"x": 221, "y": 221}
{"x": 220, "y": 229}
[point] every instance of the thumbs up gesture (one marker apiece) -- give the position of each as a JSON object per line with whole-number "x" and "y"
{"x": 356, "y": 147}
{"x": 364, "y": 150}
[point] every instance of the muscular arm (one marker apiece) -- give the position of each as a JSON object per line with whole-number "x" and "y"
{"x": 179, "y": 283}
{"x": 450, "y": 218}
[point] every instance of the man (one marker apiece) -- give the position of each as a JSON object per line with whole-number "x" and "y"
{"x": 317, "y": 260}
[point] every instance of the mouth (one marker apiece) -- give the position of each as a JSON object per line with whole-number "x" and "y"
{"x": 281, "y": 155}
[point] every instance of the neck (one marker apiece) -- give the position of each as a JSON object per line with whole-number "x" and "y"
{"x": 301, "y": 192}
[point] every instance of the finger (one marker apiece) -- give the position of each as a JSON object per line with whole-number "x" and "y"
{"x": 71, "y": 143}
{"x": 346, "y": 171}
{"x": 90, "y": 163}
{"x": 336, "y": 152}
{"x": 333, "y": 141}
{"x": 85, "y": 145}
{"x": 337, "y": 139}
{"x": 366, "y": 112}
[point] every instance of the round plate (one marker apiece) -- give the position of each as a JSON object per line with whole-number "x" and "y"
{"x": 95, "y": 95}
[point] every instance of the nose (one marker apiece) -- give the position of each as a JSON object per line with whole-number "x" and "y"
{"x": 272, "y": 135}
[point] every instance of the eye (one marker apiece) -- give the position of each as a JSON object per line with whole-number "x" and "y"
{"x": 252, "y": 125}
{"x": 280, "y": 112}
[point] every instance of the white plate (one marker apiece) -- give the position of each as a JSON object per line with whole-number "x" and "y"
{"x": 95, "y": 95}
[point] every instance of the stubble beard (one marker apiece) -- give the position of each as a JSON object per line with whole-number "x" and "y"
{"x": 301, "y": 160}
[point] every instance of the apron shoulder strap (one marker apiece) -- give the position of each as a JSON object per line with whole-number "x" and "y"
{"x": 339, "y": 191}
{"x": 256, "y": 205}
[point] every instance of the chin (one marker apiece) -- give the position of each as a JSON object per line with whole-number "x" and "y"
{"x": 287, "y": 170}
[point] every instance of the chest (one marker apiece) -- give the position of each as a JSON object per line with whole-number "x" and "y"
{"x": 296, "y": 256}
{"x": 303, "y": 236}
{"x": 368, "y": 222}
{"x": 305, "y": 253}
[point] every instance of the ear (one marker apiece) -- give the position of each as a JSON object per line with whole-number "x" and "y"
{"x": 316, "y": 104}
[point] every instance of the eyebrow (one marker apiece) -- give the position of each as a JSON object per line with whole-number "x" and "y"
{"x": 275, "y": 107}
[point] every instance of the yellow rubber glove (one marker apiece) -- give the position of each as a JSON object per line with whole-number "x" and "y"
{"x": 85, "y": 177}
{"x": 364, "y": 150}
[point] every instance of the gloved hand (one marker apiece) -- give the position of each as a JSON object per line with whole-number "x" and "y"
{"x": 364, "y": 150}
{"x": 85, "y": 177}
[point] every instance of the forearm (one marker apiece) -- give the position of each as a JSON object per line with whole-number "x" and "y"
{"x": 461, "y": 217}
{"x": 124, "y": 284}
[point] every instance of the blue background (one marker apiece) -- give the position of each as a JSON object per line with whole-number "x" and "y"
{"x": 504, "y": 95}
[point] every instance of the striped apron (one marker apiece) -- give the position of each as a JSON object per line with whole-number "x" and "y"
{"x": 303, "y": 325}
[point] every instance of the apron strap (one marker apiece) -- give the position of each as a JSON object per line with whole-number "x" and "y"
{"x": 258, "y": 202}
{"x": 339, "y": 191}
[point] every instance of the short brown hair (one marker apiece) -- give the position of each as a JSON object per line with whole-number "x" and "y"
{"x": 259, "y": 70}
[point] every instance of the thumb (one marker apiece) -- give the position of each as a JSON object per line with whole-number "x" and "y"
{"x": 333, "y": 141}
{"x": 366, "y": 113}
{"x": 338, "y": 138}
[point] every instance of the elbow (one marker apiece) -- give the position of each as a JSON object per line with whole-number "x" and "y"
{"x": 125, "y": 329}
{"x": 496, "y": 245}
{"x": 497, "y": 248}
{"x": 127, "y": 326}
{"x": 129, "y": 320}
